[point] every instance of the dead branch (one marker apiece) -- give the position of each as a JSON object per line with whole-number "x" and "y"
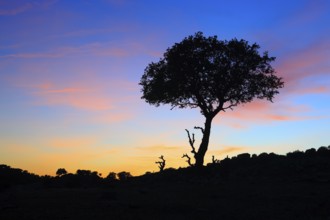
{"x": 191, "y": 141}
{"x": 215, "y": 160}
{"x": 200, "y": 128}
{"x": 162, "y": 163}
{"x": 188, "y": 159}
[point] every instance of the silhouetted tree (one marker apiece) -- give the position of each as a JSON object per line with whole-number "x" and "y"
{"x": 212, "y": 75}
{"x": 112, "y": 176}
{"x": 161, "y": 163}
{"x": 61, "y": 172}
{"x": 124, "y": 175}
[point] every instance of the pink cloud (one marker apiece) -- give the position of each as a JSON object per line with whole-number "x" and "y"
{"x": 112, "y": 116}
{"x": 79, "y": 95}
{"x": 261, "y": 111}
{"x": 105, "y": 101}
{"x": 309, "y": 62}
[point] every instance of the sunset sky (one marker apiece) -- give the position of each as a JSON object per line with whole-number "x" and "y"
{"x": 69, "y": 74}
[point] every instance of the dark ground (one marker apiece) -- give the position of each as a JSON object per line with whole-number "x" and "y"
{"x": 278, "y": 188}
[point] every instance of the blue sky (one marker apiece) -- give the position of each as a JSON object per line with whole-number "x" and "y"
{"x": 69, "y": 73}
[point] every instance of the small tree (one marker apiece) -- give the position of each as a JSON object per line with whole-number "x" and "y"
{"x": 124, "y": 175}
{"x": 61, "y": 172}
{"x": 161, "y": 163}
{"x": 112, "y": 176}
{"x": 212, "y": 75}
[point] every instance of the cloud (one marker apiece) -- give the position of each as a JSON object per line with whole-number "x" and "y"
{"x": 311, "y": 61}
{"x": 309, "y": 12}
{"x": 260, "y": 111}
{"x": 82, "y": 97}
{"x": 127, "y": 28}
{"x": 72, "y": 143}
{"x": 228, "y": 150}
{"x": 105, "y": 49}
{"x": 159, "y": 148}
{"x": 115, "y": 116}
{"x": 83, "y": 91}
{"x": 14, "y": 7}
{"x": 32, "y": 55}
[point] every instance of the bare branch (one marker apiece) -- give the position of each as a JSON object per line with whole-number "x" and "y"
{"x": 215, "y": 160}
{"x": 191, "y": 141}
{"x": 188, "y": 159}
{"x": 229, "y": 107}
{"x": 161, "y": 164}
{"x": 202, "y": 129}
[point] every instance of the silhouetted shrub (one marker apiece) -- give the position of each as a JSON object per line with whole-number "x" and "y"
{"x": 161, "y": 163}
{"x": 61, "y": 172}
{"x": 263, "y": 156}
{"x": 310, "y": 152}
{"x": 323, "y": 151}
{"x": 112, "y": 176}
{"x": 124, "y": 175}
{"x": 244, "y": 156}
{"x": 295, "y": 154}
{"x": 14, "y": 176}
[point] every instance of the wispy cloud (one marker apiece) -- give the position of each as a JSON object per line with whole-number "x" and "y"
{"x": 15, "y": 7}
{"x": 82, "y": 97}
{"x": 72, "y": 143}
{"x": 261, "y": 112}
{"x": 105, "y": 49}
{"x": 228, "y": 150}
{"x": 125, "y": 28}
{"x": 159, "y": 148}
{"x": 83, "y": 92}
{"x": 309, "y": 12}
{"x": 311, "y": 61}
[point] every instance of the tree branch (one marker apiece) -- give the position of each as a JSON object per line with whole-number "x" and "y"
{"x": 202, "y": 129}
{"x": 191, "y": 141}
{"x": 228, "y": 107}
{"x": 188, "y": 159}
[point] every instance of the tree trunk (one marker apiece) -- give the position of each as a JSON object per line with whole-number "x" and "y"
{"x": 199, "y": 156}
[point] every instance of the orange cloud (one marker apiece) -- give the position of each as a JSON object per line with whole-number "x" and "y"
{"x": 159, "y": 148}
{"x": 72, "y": 143}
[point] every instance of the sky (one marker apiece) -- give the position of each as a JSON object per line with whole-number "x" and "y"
{"x": 70, "y": 71}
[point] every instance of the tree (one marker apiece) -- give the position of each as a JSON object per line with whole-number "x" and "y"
{"x": 61, "y": 172}
{"x": 161, "y": 163}
{"x": 212, "y": 75}
{"x": 112, "y": 176}
{"x": 124, "y": 175}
